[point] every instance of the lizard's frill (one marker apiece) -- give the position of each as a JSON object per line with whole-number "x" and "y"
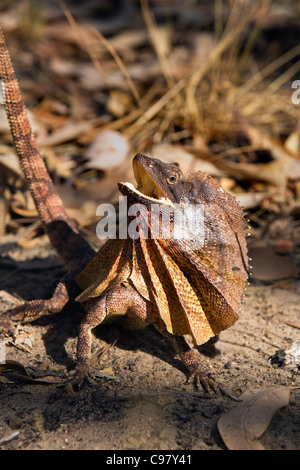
{"x": 109, "y": 267}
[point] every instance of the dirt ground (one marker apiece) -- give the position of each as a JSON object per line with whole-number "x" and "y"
{"x": 139, "y": 399}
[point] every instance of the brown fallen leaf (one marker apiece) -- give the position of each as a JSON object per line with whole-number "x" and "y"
{"x": 241, "y": 427}
{"x": 250, "y": 200}
{"x": 11, "y": 365}
{"x": 15, "y": 370}
{"x": 283, "y": 246}
{"x": 10, "y": 298}
{"x": 269, "y": 266}
{"x": 174, "y": 153}
{"x": 71, "y": 130}
{"x": 9, "y": 162}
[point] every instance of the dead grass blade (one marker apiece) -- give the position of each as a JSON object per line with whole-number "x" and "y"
{"x": 157, "y": 43}
{"x": 233, "y": 30}
{"x": 156, "y": 107}
{"x": 293, "y": 323}
{"x": 266, "y": 71}
{"x": 110, "y": 49}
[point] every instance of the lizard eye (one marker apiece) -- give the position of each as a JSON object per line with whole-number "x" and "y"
{"x": 173, "y": 178}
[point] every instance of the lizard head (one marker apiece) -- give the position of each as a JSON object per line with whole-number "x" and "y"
{"x": 157, "y": 182}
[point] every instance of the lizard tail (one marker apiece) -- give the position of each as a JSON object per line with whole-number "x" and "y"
{"x": 61, "y": 229}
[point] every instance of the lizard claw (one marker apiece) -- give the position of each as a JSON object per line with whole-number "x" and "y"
{"x": 80, "y": 375}
{"x": 204, "y": 380}
{"x": 208, "y": 384}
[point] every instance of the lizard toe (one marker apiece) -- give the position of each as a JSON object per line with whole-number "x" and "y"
{"x": 80, "y": 375}
{"x": 208, "y": 383}
{"x": 205, "y": 381}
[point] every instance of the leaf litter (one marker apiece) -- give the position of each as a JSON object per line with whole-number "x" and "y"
{"x": 14, "y": 370}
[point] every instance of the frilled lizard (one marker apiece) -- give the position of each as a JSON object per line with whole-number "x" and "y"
{"x": 188, "y": 284}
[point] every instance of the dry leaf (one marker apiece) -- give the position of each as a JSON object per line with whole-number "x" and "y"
{"x": 275, "y": 172}
{"x": 108, "y": 150}
{"x": 283, "y": 246}
{"x": 15, "y": 370}
{"x": 69, "y": 131}
{"x": 12, "y": 366}
{"x": 241, "y": 427}
{"x": 129, "y": 39}
{"x": 10, "y": 298}
{"x": 292, "y": 144}
{"x": 269, "y": 266}
{"x": 9, "y": 162}
{"x": 4, "y": 127}
{"x": 174, "y": 153}
{"x": 106, "y": 373}
{"x": 250, "y": 200}
{"x": 24, "y": 212}
{"x": 85, "y": 214}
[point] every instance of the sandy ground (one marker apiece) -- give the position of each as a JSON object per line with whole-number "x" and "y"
{"x": 139, "y": 399}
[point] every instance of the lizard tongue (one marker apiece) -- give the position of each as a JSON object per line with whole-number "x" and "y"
{"x": 146, "y": 185}
{"x": 150, "y": 189}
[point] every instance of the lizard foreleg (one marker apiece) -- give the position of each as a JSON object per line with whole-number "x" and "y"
{"x": 123, "y": 305}
{"x": 189, "y": 359}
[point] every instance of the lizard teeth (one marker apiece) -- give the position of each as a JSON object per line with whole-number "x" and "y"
{"x": 162, "y": 200}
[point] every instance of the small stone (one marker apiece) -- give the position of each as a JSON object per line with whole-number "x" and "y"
{"x": 14, "y": 421}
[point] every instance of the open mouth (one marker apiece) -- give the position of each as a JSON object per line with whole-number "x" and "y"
{"x": 152, "y": 197}
{"x": 146, "y": 186}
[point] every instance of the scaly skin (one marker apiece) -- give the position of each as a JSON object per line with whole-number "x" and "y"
{"x": 164, "y": 281}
